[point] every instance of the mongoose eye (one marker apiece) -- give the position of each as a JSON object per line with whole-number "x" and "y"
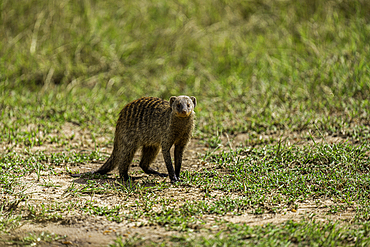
{"x": 188, "y": 105}
{"x": 178, "y": 105}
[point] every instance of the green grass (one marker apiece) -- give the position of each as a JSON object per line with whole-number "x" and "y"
{"x": 288, "y": 234}
{"x": 281, "y": 69}
{"x": 254, "y": 66}
{"x": 269, "y": 179}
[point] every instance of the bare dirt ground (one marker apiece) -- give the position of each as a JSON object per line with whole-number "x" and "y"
{"x": 85, "y": 230}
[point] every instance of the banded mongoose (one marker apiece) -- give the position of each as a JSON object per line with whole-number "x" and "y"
{"x": 151, "y": 123}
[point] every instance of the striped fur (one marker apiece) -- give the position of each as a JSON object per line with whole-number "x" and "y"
{"x": 153, "y": 124}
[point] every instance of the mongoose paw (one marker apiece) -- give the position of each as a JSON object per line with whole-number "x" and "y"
{"x": 176, "y": 180}
{"x": 151, "y": 171}
{"x": 162, "y": 174}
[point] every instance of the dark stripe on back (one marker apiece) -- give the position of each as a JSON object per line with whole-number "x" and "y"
{"x": 125, "y": 113}
{"x": 150, "y": 109}
{"x": 142, "y": 111}
{"x": 129, "y": 113}
{"x": 144, "y": 103}
{"x": 153, "y": 103}
{"x": 134, "y": 118}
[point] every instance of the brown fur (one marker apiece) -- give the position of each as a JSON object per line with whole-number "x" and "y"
{"x": 152, "y": 123}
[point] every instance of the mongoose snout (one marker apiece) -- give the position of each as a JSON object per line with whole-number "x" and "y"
{"x": 152, "y": 124}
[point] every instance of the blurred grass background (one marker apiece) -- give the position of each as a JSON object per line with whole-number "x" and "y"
{"x": 257, "y": 65}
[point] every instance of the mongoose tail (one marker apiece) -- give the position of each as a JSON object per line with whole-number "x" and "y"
{"x": 104, "y": 169}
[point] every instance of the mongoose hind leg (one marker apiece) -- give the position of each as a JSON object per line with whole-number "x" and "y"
{"x": 123, "y": 160}
{"x": 149, "y": 153}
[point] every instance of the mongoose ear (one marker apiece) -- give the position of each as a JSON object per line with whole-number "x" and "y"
{"x": 194, "y": 100}
{"x": 172, "y": 99}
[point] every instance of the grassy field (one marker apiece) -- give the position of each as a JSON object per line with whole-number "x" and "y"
{"x": 280, "y": 154}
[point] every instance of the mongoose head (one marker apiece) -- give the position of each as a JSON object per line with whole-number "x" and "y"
{"x": 183, "y": 106}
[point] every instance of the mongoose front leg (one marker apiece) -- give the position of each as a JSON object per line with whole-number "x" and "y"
{"x": 167, "y": 159}
{"x": 179, "y": 151}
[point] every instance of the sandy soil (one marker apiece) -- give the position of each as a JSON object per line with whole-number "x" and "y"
{"x": 84, "y": 230}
